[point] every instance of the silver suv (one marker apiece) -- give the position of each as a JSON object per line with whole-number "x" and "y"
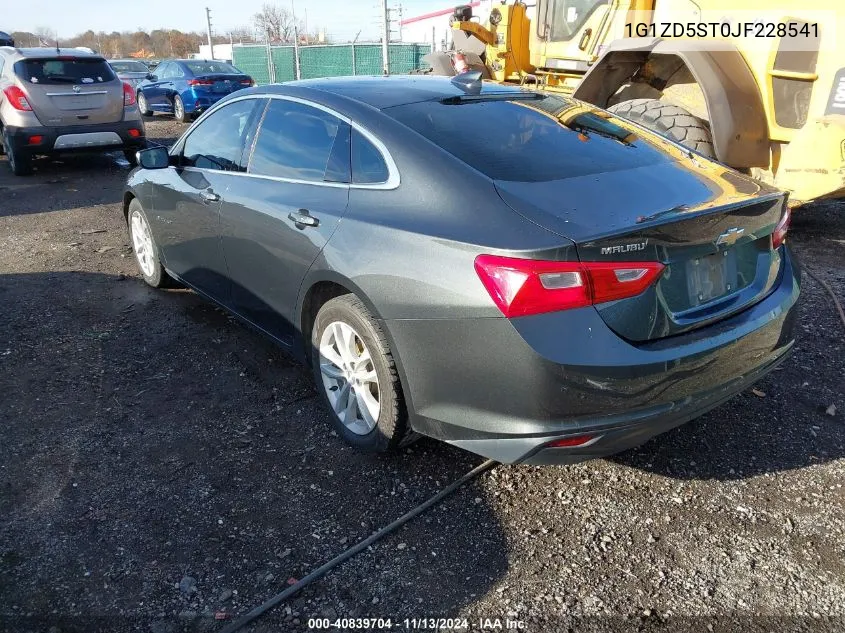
{"x": 64, "y": 100}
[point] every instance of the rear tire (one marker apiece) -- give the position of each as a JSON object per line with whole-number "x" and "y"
{"x": 669, "y": 120}
{"x": 143, "y": 106}
{"x": 144, "y": 246}
{"x": 19, "y": 162}
{"x": 371, "y": 377}
{"x": 179, "y": 110}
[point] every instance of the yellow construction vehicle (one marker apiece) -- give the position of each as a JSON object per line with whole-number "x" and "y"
{"x": 759, "y": 86}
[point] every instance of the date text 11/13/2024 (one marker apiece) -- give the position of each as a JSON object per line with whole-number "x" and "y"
{"x": 417, "y": 624}
{"x": 722, "y": 29}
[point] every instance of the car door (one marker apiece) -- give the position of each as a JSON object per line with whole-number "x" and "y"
{"x": 153, "y": 89}
{"x": 276, "y": 222}
{"x": 187, "y": 197}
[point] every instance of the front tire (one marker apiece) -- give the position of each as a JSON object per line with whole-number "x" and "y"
{"x": 144, "y": 246}
{"x": 669, "y": 120}
{"x": 179, "y": 110}
{"x": 355, "y": 372}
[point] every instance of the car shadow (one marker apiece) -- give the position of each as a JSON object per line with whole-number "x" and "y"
{"x": 62, "y": 183}
{"x": 165, "y": 466}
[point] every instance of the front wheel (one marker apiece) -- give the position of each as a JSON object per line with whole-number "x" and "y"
{"x": 179, "y": 110}
{"x": 356, "y": 375}
{"x": 144, "y": 246}
{"x": 669, "y": 120}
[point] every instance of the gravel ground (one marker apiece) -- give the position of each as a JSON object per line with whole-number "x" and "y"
{"x": 163, "y": 469}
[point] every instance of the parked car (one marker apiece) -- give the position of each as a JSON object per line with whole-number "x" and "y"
{"x": 188, "y": 87}
{"x": 516, "y": 273}
{"x": 54, "y": 101}
{"x": 6, "y": 39}
{"x": 132, "y": 71}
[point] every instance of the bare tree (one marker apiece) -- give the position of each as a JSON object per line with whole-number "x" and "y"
{"x": 46, "y": 36}
{"x": 276, "y": 22}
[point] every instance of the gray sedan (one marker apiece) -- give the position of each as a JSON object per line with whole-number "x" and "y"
{"x": 131, "y": 71}
{"x": 518, "y": 274}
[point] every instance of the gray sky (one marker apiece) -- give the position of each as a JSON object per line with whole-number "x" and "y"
{"x": 341, "y": 18}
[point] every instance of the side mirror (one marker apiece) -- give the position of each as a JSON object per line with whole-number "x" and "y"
{"x": 151, "y": 76}
{"x": 153, "y": 158}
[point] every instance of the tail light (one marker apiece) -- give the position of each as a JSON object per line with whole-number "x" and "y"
{"x": 247, "y": 82}
{"x": 128, "y": 95}
{"x": 200, "y": 82}
{"x": 569, "y": 442}
{"x": 520, "y": 287}
{"x": 17, "y": 99}
{"x": 779, "y": 235}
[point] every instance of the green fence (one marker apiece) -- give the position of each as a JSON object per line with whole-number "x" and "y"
{"x": 326, "y": 61}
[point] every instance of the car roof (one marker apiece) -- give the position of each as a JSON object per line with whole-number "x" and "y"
{"x": 387, "y": 91}
{"x": 46, "y": 52}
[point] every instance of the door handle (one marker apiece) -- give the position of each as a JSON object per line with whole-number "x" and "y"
{"x": 209, "y": 196}
{"x": 303, "y": 219}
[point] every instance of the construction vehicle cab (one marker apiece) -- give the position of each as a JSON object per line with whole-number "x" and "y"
{"x": 760, "y": 103}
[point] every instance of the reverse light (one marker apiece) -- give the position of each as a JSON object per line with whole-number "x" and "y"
{"x": 520, "y": 287}
{"x": 17, "y": 99}
{"x": 779, "y": 234}
{"x": 128, "y": 95}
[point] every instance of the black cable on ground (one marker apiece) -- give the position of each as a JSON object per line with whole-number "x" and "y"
{"x": 829, "y": 289}
{"x": 355, "y": 549}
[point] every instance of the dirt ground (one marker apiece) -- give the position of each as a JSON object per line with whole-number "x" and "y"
{"x": 163, "y": 469}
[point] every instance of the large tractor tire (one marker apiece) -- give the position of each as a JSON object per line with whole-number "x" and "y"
{"x": 668, "y": 120}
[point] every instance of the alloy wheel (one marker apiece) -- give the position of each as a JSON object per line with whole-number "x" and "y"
{"x": 142, "y": 243}
{"x": 178, "y": 108}
{"x": 349, "y": 377}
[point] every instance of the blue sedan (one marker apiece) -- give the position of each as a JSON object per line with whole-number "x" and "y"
{"x": 187, "y": 87}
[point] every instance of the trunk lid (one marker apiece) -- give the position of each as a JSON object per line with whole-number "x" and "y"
{"x": 219, "y": 84}
{"x": 66, "y": 90}
{"x": 711, "y": 228}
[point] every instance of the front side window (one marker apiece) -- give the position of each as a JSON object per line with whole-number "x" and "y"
{"x": 160, "y": 71}
{"x": 217, "y": 142}
{"x": 64, "y": 71}
{"x": 297, "y": 141}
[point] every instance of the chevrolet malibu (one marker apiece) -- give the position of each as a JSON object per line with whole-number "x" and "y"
{"x": 518, "y": 274}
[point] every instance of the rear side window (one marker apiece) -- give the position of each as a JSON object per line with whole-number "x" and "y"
{"x": 64, "y": 70}
{"x": 528, "y": 139}
{"x": 368, "y": 166}
{"x": 296, "y": 141}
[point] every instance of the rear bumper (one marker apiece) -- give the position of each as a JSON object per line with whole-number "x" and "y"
{"x": 506, "y": 389}
{"x": 81, "y": 138}
{"x": 197, "y": 104}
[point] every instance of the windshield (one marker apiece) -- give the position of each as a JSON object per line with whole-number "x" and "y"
{"x": 534, "y": 140}
{"x": 64, "y": 70}
{"x": 212, "y": 68}
{"x": 129, "y": 67}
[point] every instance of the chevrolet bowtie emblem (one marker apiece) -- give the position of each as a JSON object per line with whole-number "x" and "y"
{"x": 729, "y": 237}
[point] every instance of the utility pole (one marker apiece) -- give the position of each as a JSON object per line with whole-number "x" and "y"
{"x": 385, "y": 38}
{"x": 295, "y": 41}
{"x": 208, "y": 25}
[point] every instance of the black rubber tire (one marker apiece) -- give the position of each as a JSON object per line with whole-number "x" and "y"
{"x": 159, "y": 278}
{"x": 669, "y": 120}
{"x": 392, "y": 429}
{"x": 142, "y": 100}
{"x": 19, "y": 162}
{"x": 131, "y": 157}
{"x": 185, "y": 117}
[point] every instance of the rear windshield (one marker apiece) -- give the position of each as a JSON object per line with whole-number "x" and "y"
{"x": 528, "y": 138}
{"x": 64, "y": 71}
{"x": 212, "y": 68}
{"x": 129, "y": 67}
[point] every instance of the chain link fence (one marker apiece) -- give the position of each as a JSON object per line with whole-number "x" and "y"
{"x": 325, "y": 60}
